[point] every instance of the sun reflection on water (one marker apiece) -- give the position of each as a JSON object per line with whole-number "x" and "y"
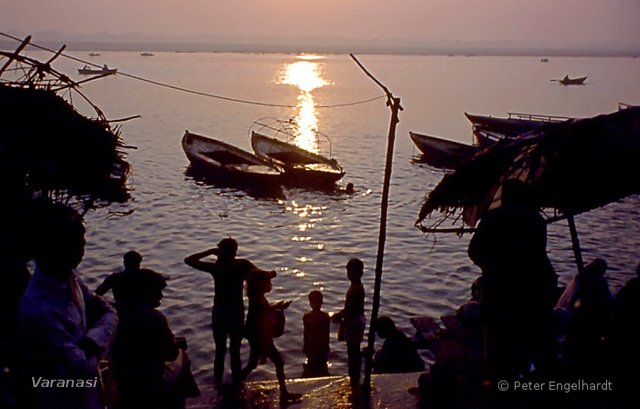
{"x": 306, "y": 75}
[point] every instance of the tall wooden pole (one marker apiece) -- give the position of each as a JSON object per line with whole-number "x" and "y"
{"x": 394, "y": 104}
{"x": 576, "y": 243}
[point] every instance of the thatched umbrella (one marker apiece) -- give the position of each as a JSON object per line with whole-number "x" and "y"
{"x": 571, "y": 167}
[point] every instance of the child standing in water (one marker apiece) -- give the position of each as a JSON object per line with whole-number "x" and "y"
{"x": 259, "y": 331}
{"x": 316, "y": 338}
{"x": 353, "y": 320}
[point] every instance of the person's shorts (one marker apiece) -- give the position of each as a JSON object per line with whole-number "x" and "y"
{"x": 227, "y": 319}
{"x": 354, "y": 329}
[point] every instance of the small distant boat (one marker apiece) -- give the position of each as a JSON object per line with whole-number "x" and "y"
{"x": 147, "y": 54}
{"x": 544, "y": 59}
{"x": 104, "y": 70}
{"x": 572, "y": 81}
{"x": 301, "y": 167}
{"x": 229, "y": 164}
{"x": 92, "y": 54}
{"x": 442, "y": 153}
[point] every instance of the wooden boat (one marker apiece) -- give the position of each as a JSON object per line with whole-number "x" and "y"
{"x": 442, "y": 153}
{"x": 488, "y": 129}
{"x": 572, "y": 81}
{"x": 301, "y": 167}
{"x": 88, "y": 70}
{"x": 228, "y": 164}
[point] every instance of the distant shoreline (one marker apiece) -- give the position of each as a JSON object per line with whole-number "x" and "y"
{"x": 273, "y": 48}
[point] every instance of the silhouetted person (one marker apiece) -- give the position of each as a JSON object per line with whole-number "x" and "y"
{"x": 349, "y": 189}
{"x": 64, "y": 326}
{"x": 626, "y": 339}
{"x": 15, "y": 251}
{"x": 259, "y": 331}
{"x": 352, "y": 319}
{"x": 316, "y": 338}
{"x": 398, "y": 353}
{"x": 591, "y": 306}
{"x": 518, "y": 285}
{"x": 227, "y": 315}
{"x": 117, "y": 282}
{"x": 150, "y": 367}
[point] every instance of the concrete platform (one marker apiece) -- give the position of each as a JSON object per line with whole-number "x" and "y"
{"x": 388, "y": 391}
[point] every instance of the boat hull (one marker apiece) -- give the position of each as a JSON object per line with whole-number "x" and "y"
{"x": 227, "y": 164}
{"x": 442, "y": 153}
{"x": 89, "y": 71}
{"x": 301, "y": 167}
{"x": 573, "y": 81}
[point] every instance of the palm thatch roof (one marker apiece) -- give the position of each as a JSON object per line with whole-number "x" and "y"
{"x": 570, "y": 167}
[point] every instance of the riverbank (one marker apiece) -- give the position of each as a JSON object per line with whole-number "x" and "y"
{"x": 388, "y": 391}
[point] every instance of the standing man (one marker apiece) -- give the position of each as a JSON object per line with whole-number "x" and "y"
{"x": 64, "y": 326}
{"x": 518, "y": 285}
{"x": 227, "y": 315}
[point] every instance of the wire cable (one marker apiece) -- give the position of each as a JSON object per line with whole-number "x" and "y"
{"x": 191, "y": 91}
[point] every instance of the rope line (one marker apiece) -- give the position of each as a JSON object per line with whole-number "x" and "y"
{"x": 191, "y": 91}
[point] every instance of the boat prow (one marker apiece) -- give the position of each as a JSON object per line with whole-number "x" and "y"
{"x": 301, "y": 167}
{"x": 228, "y": 164}
{"x": 442, "y": 153}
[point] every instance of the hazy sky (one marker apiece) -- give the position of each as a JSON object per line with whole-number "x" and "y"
{"x": 557, "y": 21}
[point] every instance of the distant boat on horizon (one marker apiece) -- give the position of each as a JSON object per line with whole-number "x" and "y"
{"x": 146, "y": 54}
{"x": 93, "y": 54}
{"x": 104, "y": 70}
{"x": 545, "y": 59}
{"x": 572, "y": 81}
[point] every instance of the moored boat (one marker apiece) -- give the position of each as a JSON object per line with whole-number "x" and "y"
{"x": 228, "y": 164}
{"x": 442, "y": 153}
{"x": 301, "y": 167}
{"x": 104, "y": 70}
{"x": 488, "y": 129}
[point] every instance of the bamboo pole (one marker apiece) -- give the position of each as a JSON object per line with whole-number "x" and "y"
{"x": 17, "y": 52}
{"x": 394, "y": 104}
{"x": 575, "y": 243}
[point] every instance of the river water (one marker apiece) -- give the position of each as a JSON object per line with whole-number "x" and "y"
{"x": 308, "y": 236}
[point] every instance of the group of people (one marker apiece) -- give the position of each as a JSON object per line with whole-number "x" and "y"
{"x": 527, "y": 325}
{"x": 66, "y": 330}
{"x": 72, "y": 341}
{"x": 261, "y": 326}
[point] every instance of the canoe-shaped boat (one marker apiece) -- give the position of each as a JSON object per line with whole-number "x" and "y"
{"x": 488, "y": 129}
{"x": 301, "y": 167}
{"x": 572, "y": 81}
{"x": 87, "y": 70}
{"x": 228, "y": 164}
{"x": 442, "y": 153}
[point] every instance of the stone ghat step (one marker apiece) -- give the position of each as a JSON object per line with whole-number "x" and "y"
{"x": 388, "y": 391}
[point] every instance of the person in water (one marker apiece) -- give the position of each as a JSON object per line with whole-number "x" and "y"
{"x": 117, "y": 282}
{"x": 316, "y": 338}
{"x": 259, "y": 331}
{"x": 352, "y": 319}
{"x": 227, "y": 315}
